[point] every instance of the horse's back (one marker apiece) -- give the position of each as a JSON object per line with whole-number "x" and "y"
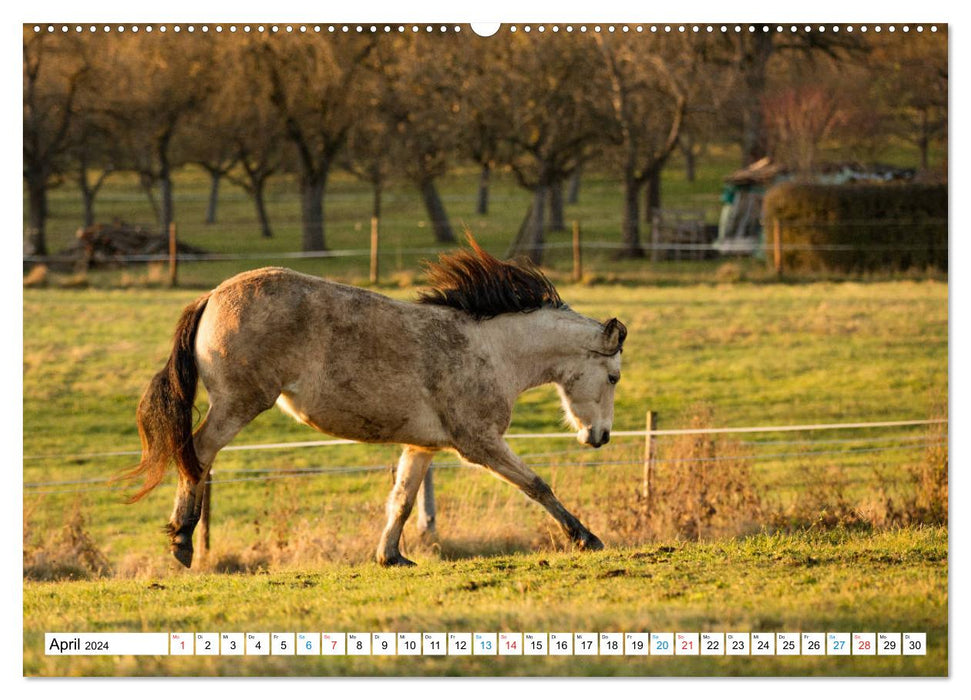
{"x": 270, "y": 288}
{"x": 345, "y": 360}
{"x": 276, "y": 312}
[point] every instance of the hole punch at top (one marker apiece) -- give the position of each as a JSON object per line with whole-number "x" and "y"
{"x": 485, "y": 28}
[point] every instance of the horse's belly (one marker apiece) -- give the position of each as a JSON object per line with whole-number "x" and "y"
{"x": 363, "y": 423}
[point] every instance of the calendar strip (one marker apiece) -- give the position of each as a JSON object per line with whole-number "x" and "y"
{"x": 486, "y": 644}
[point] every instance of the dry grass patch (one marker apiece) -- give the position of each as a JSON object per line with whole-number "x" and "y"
{"x": 66, "y": 553}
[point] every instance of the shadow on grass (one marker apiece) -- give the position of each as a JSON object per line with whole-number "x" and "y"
{"x": 457, "y": 549}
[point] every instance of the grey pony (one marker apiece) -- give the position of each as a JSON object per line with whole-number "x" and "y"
{"x": 440, "y": 374}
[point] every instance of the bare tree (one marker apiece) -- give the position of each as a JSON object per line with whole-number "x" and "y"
{"x": 699, "y": 129}
{"x": 54, "y": 69}
{"x": 209, "y": 140}
{"x": 259, "y": 153}
{"x": 911, "y": 80}
{"x": 552, "y": 109}
{"x": 156, "y": 83}
{"x": 311, "y": 82}
{"x": 421, "y": 98}
{"x": 93, "y": 153}
{"x": 94, "y": 156}
{"x": 369, "y": 153}
{"x": 798, "y": 121}
{"x": 752, "y": 53}
{"x": 749, "y": 54}
{"x": 648, "y": 110}
{"x": 481, "y": 116}
{"x": 254, "y": 127}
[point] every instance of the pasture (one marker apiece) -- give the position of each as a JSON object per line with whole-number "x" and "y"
{"x": 824, "y": 550}
{"x": 898, "y": 582}
{"x": 812, "y": 531}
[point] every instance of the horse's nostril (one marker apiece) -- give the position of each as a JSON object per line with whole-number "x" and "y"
{"x": 606, "y": 438}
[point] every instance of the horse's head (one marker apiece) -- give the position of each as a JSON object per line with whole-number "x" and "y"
{"x": 588, "y": 383}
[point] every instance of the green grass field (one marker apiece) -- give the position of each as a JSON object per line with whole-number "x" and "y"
{"x": 821, "y": 545}
{"x": 899, "y": 583}
{"x": 757, "y": 354}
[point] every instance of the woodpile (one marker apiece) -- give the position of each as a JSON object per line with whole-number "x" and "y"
{"x": 117, "y": 244}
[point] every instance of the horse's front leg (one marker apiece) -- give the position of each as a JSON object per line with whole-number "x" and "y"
{"x": 409, "y": 474}
{"x": 497, "y": 457}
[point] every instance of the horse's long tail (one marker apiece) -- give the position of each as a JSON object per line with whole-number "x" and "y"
{"x": 165, "y": 411}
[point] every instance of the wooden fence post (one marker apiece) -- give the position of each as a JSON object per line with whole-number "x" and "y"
{"x": 777, "y": 246}
{"x": 649, "y": 460}
{"x": 204, "y": 516}
{"x": 577, "y": 259}
{"x": 374, "y": 250}
{"x": 84, "y": 264}
{"x": 173, "y": 256}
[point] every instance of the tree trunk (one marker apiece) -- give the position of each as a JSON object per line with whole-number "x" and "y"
{"x": 89, "y": 191}
{"x": 436, "y": 212}
{"x": 168, "y": 209}
{"x": 686, "y": 144}
{"x": 652, "y": 193}
{"x": 521, "y": 234}
{"x": 754, "y": 142}
{"x": 88, "y": 197}
{"x": 261, "y": 214}
{"x": 689, "y": 164}
{"x": 147, "y": 183}
{"x": 214, "y": 177}
{"x": 312, "y": 212}
{"x": 924, "y": 141}
{"x": 753, "y": 137}
{"x": 631, "y": 225}
{"x": 556, "y": 206}
{"x": 533, "y": 248}
{"x": 36, "y": 233}
{"x": 482, "y": 205}
{"x": 573, "y": 194}
{"x": 529, "y": 240}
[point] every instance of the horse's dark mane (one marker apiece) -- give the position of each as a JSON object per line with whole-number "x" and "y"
{"x": 484, "y": 286}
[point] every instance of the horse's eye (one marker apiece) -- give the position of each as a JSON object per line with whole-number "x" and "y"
{"x": 613, "y": 378}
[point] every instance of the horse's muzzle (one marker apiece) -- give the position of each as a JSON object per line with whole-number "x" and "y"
{"x": 598, "y": 439}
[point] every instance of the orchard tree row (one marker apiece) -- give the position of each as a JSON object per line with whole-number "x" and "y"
{"x": 408, "y": 107}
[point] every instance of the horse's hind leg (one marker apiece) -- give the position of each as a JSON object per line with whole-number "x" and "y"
{"x": 426, "y": 509}
{"x": 221, "y": 424}
{"x": 408, "y": 477}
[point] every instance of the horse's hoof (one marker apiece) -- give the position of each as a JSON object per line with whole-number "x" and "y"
{"x": 396, "y": 561}
{"x": 184, "y": 555}
{"x": 591, "y": 543}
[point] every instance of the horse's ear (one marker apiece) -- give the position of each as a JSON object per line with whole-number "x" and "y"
{"x": 614, "y": 333}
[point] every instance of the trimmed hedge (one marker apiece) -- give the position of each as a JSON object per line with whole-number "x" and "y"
{"x": 858, "y": 228}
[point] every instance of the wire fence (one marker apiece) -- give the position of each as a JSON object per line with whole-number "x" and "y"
{"x": 898, "y": 443}
{"x": 389, "y": 251}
